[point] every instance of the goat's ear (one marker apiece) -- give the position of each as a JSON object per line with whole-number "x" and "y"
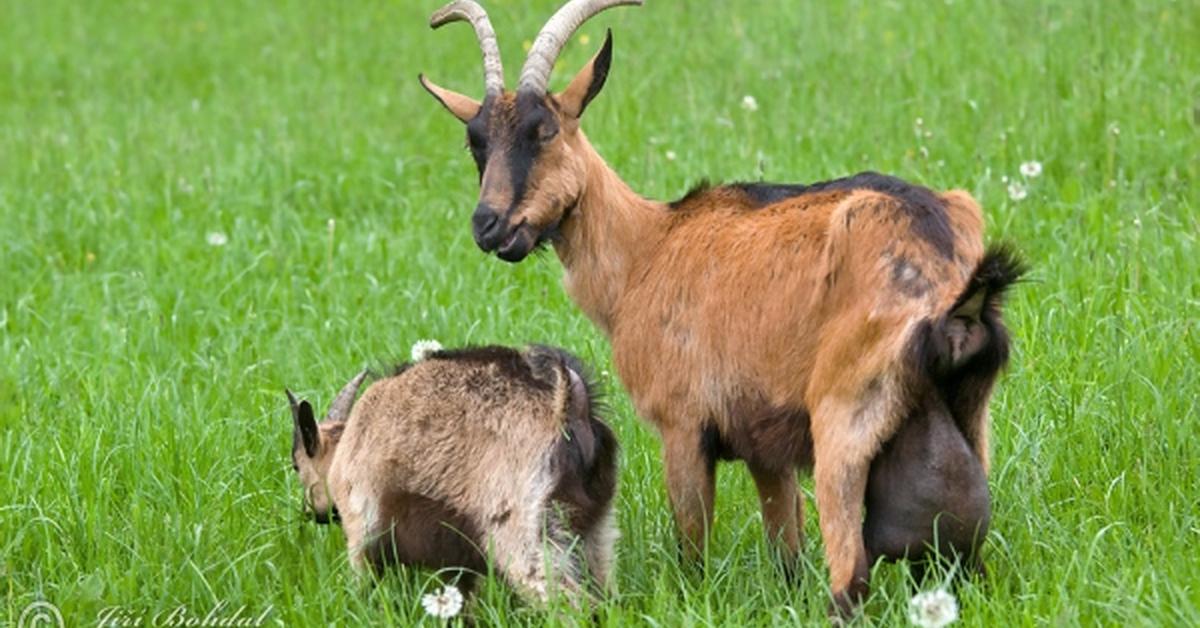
{"x": 306, "y": 427}
{"x": 584, "y": 87}
{"x": 463, "y": 107}
{"x": 972, "y": 306}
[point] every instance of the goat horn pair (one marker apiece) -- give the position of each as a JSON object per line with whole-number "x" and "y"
{"x": 549, "y": 43}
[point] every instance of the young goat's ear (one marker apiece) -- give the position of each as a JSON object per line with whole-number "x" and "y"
{"x": 305, "y": 425}
{"x": 463, "y": 107}
{"x": 584, "y": 87}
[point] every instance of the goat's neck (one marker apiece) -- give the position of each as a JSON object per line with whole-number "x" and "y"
{"x": 609, "y": 234}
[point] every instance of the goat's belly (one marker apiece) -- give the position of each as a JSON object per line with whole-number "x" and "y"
{"x": 926, "y": 491}
{"x": 765, "y": 436}
{"x": 416, "y": 530}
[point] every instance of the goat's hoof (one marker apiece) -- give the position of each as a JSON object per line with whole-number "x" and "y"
{"x": 846, "y": 602}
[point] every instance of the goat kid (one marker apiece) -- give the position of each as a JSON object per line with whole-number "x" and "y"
{"x": 468, "y": 455}
{"x": 788, "y": 326}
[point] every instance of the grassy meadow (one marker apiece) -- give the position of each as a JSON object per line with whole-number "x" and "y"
{"x": 204, "y": 202}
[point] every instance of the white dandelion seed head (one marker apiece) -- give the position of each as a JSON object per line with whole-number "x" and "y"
{"x": 443, "y": 604}
{"x": 1017, "y": 191}
{"x": 216, "y": 238}
{"x": 422, "y": 349}
{"x": 670, "y": 155}
{"x": 1031, "y": 169}
{"x": 749, "y": 103}
{"x": 933, "y": 609}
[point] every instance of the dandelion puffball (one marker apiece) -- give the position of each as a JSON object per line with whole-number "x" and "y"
{"x": 1017, "y": 191}
{"x": 933, "y": 609}
{"x": 445, "y": 603}
{"x": 422, "y": 349}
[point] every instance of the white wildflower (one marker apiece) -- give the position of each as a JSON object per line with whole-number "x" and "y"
{"x": 1017, "y": 191}
{"x": 216, "y": 238}
{"x": 445, "y": 603}
{"x": 933, "y": 609}
{"x": 749, "y": 103}
{"x": 422, "y": 349}
{"x": 670, "y": 155}
{"x": 1031, "y": 169}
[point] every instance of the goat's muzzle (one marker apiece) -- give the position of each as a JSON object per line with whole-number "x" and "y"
{"x": 495, "y": 233}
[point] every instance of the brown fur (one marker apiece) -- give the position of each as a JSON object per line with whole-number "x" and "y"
{"x": 469, "y": 455}
{"x": 776, "y": 325}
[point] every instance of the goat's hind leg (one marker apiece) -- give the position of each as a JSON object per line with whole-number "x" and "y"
{"x": 540, "y": 557}
{"x": 782, "y": 510}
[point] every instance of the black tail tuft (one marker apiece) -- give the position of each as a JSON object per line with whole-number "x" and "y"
{"x": 1000, "y": 268}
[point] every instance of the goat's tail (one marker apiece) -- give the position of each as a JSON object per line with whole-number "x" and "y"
{"x": 971, "y": 331}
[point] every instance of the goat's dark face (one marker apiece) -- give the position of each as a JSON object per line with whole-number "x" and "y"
{"x": 527, "y": 147}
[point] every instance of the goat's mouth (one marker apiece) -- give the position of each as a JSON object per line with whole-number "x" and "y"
{"x": 326, "y": 517}
{"x": 526, "y": 238}
{"x": 520, "y": 241}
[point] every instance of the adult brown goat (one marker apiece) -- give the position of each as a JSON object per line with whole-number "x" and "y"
{"x": 788, "y": 326}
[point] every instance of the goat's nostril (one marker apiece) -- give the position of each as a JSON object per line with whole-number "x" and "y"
{"x": 486, "y": 224}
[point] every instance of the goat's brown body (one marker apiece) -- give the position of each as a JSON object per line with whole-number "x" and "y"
{"x": 779, "y": 329}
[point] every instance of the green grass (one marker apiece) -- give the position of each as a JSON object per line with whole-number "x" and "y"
{"x": 144, "y": 434}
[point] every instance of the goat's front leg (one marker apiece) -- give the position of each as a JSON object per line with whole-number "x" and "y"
{"x": 846, "y": 437}
{"x": 356, "y": 540}
{"x": 690, "y": 464}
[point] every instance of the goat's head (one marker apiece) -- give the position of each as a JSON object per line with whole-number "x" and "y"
{"x": 313, "y": 445}
{"x": 527, "y": 143}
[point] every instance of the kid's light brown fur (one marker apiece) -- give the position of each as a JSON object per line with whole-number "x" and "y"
{"x": 468, "y": 455}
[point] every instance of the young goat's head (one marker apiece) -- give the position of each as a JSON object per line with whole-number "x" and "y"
{"x": 313, "y": 445}
{"x": 527, "y": 143}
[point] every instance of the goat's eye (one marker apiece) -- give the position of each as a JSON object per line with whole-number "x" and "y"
{"x": 546, "y": 132}
{"x": 476, "y": 141}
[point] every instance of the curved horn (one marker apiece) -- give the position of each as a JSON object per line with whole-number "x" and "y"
{"x": 339, "y": 410}
{"x": 554, "y": 35}
{"x": 470, "y": 11}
